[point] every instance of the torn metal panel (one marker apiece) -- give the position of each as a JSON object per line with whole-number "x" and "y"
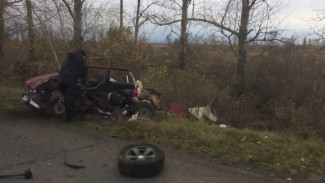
{"x": 178, "y": 110}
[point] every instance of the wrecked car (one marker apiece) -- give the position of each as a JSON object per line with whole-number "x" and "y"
{"x": 45, "y": 96}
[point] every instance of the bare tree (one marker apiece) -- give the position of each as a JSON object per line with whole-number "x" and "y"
{"x": 31, "y": 34}
{"x": 247, "y": 21}
{"x": 241, "y": 50}
{"x": 54, "y": 13}
{"x": 319, "y": 24}
{"x": 178, "y": 9}
{"x": 92, "y": 17}
{"x": 57, "y": 16}
{"x": 4, "y": 4}
{"x": 183, "y": 37}
{"x": 2, "y": 27}
{"x": 241, "y": 22}
{"x": 61, "y": 20}
{"x": 49, "y": 37}
{"x": 76, "y": 15}
{"x": 137, "y": 19}
{"x": 141, "y": 16}
{"x": 121, "y": 15}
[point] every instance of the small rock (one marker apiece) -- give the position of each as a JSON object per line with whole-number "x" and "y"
{"x": 302, "y": 159}
{"x": 289, "y": 179}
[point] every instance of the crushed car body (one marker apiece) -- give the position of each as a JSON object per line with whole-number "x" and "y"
{"x": 44, "y": 94}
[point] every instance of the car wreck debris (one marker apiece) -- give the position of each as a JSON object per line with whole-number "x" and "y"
{"x": 101, "y": 92}
{"x": 27, "y": 174}
{"x": 73, "y": 165}
{"x": 178, "y": 110}
{"x": 203, "y": 113}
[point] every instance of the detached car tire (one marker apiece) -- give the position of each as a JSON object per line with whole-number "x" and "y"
{"x": 141, "y": 160}
{"x": 145, "y": 110}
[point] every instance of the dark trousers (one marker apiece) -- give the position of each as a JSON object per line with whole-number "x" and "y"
{"x": 70, "y": 96}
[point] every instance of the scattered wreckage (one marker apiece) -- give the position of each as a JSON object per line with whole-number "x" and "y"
{"x": 140, "y": 160}
{"x": 27, "y": 175}
{"x": 44, "y": 94}
{"x": 199, "y": 113}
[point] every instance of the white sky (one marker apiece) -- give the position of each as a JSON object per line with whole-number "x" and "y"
{"x": 295, "y": 17}
{"x": 298, "y": 14}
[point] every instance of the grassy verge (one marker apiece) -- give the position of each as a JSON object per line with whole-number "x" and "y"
{"x": 11, "y": 99}
{"x": 278, "y": 152}
{"x": 274, "y": 151}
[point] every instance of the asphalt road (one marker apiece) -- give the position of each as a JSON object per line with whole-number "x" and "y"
{"x": 43, "y": 144}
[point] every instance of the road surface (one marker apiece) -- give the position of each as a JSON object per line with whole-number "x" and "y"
{"x": 42, "y": 145}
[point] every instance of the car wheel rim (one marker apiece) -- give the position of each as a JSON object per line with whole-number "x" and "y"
{"x": 140, "y": 153}
{"x": 144, "y": 114}
{"x": 59, "y": 109}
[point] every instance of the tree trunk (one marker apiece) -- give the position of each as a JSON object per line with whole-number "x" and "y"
{"x": 183, "y": 37}
{"x": 49, "y": 36}
{"x": 121, "y": 15}
{"x": 58, "y": 11}
{"x": 242, "y": 48}
{"x": 31, "y": 34}
{"x": 53, "y": 51}
{"x": 137, "y": 19}
{"x": 2, "y": 28}
{"x": 77, "y": 24}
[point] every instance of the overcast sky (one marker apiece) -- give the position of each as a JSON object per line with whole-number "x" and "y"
{"x": 299, "y": 13}
{"x": 295, "y": 17}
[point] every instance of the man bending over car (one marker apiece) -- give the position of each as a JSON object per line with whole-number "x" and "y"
{"x": 73, "y": 69}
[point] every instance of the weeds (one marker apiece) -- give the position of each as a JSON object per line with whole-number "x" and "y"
{"x": 10, "y": 99}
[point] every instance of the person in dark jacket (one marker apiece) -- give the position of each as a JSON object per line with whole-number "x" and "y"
{"x": 73, "y": 69}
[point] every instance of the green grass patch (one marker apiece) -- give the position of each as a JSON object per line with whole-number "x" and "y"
{"x": 11, "y": 99}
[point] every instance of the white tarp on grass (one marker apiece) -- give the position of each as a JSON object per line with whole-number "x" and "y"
{"x": 202, "y": 113}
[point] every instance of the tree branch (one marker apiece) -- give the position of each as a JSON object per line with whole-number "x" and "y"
{"x": 69, "y": 8}
{"x": 11, "y": 3}
{"x": 215, "y": 24}
{"x": 230, "y": 43}
{"x": 48, "y": 38}
{"x": 198, "y": 20}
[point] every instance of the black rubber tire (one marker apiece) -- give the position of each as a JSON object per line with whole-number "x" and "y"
{"x": 145, "y": 110}
{"x": 148, "y": 162}
{"x": 57, "y": 109}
